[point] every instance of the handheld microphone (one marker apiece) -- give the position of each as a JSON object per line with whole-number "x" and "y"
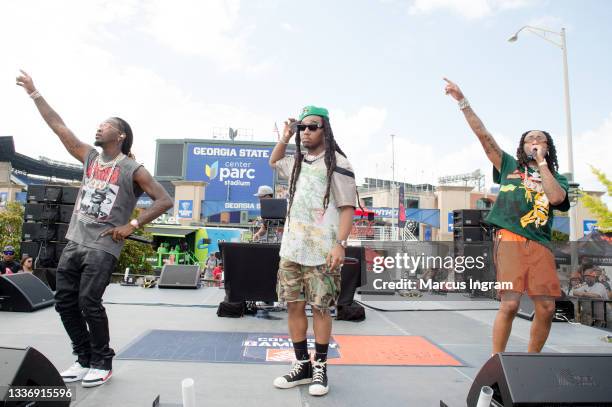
{"x": 533, "y": 154}
{"x": 139, "y": 239}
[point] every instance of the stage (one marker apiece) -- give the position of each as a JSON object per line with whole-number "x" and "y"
{"x": 464, "y": 334}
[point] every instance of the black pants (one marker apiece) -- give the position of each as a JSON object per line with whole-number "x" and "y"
{"x": 82, "y": 276}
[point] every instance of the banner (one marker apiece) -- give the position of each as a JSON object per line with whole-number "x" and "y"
{"x": 233, "y": 172}
{"x": 185, "y": 209}
{"x": 401, "y": 218}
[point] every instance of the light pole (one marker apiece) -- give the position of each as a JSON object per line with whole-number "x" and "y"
{"x": 393, "y": 184}
{"x": 544, "y": 34}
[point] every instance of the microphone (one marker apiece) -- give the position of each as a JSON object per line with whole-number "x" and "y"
{"x": 533, "y": 154}
{"x": 139, "y": 239}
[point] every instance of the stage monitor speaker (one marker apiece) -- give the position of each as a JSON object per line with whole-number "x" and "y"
{"x": 564, "y": 309}
{"x": 69, "y": 195}
{"x": 24, "y": 292}
{"x": 179, "y": 276}
{"x": 546, "y": 379}
{"x": 27, "y": 367}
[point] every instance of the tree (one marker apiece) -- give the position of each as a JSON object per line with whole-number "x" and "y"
{"x": 11, "y": 222}
{"x": 134, "y": 254}
{"x": 558, "y": 236}
{"x": 597, "y": 207}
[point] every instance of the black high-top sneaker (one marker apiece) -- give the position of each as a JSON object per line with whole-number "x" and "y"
{"x": 319, "y": 386}
{"x": 301, "y": 373}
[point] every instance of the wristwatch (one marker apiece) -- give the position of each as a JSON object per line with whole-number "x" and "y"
{"x": 342, "y": 243}
{"x": 134, "y": 222}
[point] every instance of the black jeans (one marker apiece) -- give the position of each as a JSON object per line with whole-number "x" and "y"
{"x": 82, "y": 276}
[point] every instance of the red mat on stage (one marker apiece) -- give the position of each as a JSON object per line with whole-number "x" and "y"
{"x": 377, "y": 350}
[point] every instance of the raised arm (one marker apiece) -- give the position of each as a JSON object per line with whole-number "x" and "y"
{"x": 281, "y": 147}
{"x": 494, "y": 153}
{"x": 75, "y": 147}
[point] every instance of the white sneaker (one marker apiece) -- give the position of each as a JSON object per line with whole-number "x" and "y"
{"x": 96, "y": 377}
{"x": 74, "y": 373}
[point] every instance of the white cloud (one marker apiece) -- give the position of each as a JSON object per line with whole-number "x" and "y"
{"x": 288, "y": 27}
{"x": 68, "y": 50}
{"x": 362, "y": 136}
{"x": 204, "y": 28}
{"x": 471, "y": 9}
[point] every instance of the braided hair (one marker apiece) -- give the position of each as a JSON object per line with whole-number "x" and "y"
{"x": 126, "y": 145}
{"x": 330, "y": 163}
{"x": 551, "y": 156}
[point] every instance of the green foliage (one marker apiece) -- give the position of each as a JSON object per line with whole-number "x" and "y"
{"x": 559, "y": 236}
{"x": 597, "y": 207}
{"x": 134, "y": 254}
{"x": 11, "y": 221}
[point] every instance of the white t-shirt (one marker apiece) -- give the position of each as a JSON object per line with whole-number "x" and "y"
{"x": 311, "y": 232}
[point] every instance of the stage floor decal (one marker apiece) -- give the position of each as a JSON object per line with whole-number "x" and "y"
{"x": 248, "y": 347}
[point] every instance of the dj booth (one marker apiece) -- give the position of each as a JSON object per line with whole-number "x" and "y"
{"x": 250, "y": 271}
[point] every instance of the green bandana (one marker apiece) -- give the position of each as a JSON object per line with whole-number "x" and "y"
{"x": 314, "y": 110}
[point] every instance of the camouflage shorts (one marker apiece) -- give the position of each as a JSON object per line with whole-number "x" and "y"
{"x": 313, "y": 284}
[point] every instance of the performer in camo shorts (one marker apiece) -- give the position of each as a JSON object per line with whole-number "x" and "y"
{"x": 322, "y": 197}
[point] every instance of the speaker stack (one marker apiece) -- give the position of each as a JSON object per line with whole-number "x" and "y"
{"x": 47, "y": 214}
{"x": 473, "y": 237}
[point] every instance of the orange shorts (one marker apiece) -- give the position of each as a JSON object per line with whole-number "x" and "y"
{"x": 527, "y": 264}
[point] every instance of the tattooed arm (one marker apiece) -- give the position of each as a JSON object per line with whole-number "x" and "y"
{"x": 553, "y": 190}
{"x": 75, "y": 147}
{"x": 494, "y": 153}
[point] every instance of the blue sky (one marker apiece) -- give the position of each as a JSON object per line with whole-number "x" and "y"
{"x": 179, "y": 69}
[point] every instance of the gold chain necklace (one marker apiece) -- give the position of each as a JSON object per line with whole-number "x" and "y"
{"x": 101, "y": 165}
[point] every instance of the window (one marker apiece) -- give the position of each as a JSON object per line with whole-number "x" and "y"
{"x": 484, "y": 203}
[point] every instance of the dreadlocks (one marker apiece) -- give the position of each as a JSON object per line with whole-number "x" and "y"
{"x": 330, "y": 162}
{"x": 551, "y": 155}
{"x": 125, "y": 128}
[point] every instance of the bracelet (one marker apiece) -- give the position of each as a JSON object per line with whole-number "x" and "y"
{"x": 35, "y": 95}
{"x": 281, "y": 140}
{"x": 542, "y": 164}
{"x": 464, "y": 103}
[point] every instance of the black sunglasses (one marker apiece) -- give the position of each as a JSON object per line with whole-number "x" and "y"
{"x": 311, "y": 126}
{"x": 9, "y": 253}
